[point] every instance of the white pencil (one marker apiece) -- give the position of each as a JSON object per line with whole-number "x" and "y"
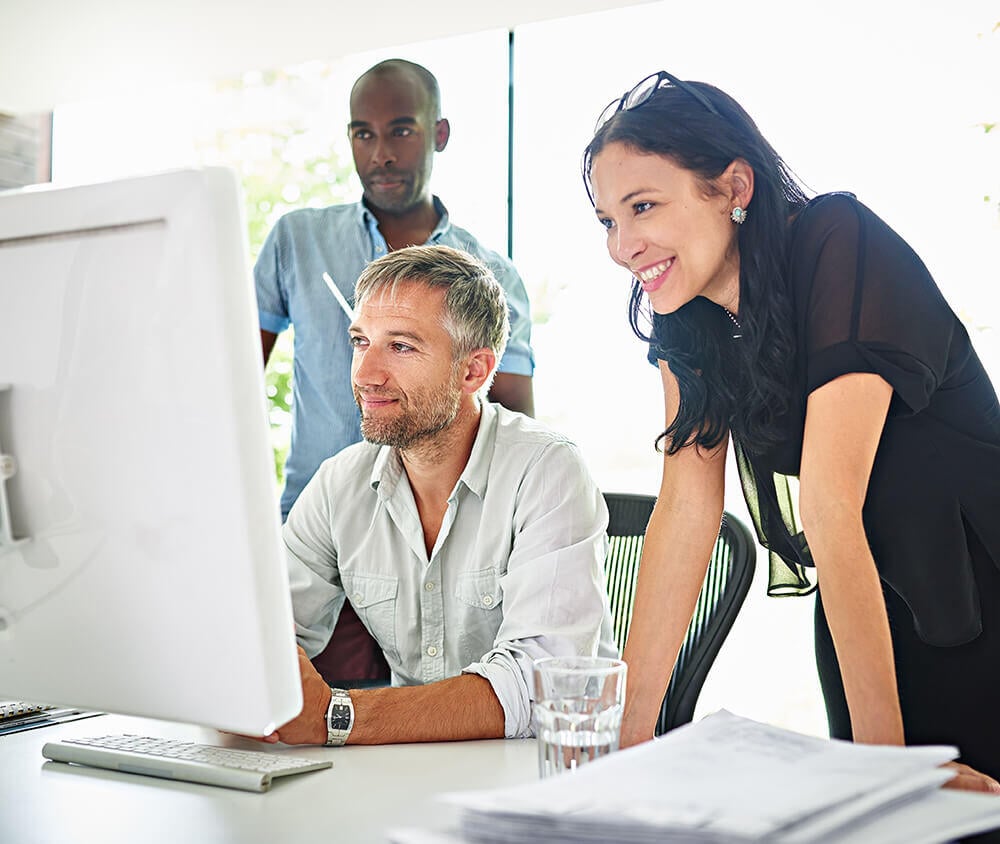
{"x": 339, "y": 296}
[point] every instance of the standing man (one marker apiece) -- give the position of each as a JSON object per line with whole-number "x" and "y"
{"x": 395, "y": 129}
{"x": 470, "y": 539}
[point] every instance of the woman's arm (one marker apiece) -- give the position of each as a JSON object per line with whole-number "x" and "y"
{"x": 678, "y": 545}
{"x": 844, "y": 421}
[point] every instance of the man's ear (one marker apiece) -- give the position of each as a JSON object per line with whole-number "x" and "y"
{"x": 737, "y": 182}
{"x": 442, "y": 131}
{"x": 478, "y": 368}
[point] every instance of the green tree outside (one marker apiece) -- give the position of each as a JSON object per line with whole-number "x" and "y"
{"x": 282, "y": 166}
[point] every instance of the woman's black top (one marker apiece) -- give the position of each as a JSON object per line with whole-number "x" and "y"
{"x": 864, "y": 302}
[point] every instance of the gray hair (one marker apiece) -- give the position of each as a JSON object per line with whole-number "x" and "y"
{"x": 475, "y": 309}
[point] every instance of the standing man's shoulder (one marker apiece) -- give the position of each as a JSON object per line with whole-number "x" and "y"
{"x": 306, "y": 235}
{"x": 519, "y": 358}
{"x": 303, "y": 245}
{"x": 326, "y": 221}
{"x": 465, "y": 240}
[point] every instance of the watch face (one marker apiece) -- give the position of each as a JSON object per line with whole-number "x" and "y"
{"x": 340, "y": 717}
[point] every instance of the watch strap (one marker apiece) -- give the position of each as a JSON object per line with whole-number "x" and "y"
{"x": 339, "y": 717}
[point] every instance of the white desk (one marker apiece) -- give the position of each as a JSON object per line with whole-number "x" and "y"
{"x": 367, "y": 791}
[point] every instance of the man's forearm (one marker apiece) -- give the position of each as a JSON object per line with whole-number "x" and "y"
{"x": 463, "y": 707}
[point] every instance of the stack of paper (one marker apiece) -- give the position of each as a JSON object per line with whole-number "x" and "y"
{"x": 730, "y": 779}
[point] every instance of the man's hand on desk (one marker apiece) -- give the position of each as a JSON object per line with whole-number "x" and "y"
{"x": 309, "y": 726}
{"x": 969, "y": 779}
{"x": 463, "y": 707}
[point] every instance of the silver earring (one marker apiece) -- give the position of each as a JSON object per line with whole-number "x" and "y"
{"x": 738, "y": 215}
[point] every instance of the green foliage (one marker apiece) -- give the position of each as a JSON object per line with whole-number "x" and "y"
{"x": 273, "y": 186}
{"x": 278, "y": 384}
{"x": 284, "y": 164}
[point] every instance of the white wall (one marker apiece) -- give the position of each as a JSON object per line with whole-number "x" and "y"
{"x": 55, "y": 52}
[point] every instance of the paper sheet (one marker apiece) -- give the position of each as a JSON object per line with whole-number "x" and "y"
{"x": 729, "y": 779}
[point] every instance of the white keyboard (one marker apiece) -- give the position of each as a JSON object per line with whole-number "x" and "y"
{"x": 249, "y": 770}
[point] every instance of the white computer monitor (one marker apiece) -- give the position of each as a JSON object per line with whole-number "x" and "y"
{"x": 141, "y": 568}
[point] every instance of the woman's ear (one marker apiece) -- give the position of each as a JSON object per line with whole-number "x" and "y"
{"x": 738, "y": 179}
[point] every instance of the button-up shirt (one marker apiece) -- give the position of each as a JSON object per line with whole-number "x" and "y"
{"x": 341, "y": 240}
{"x": 516, "y": 572}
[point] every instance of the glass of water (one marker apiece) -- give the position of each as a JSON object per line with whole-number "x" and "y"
{"x": 577, "y": 710}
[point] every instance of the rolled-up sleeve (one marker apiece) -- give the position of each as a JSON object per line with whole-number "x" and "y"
{"x": 272, "y": 304}
{"x": 554, "y": 599}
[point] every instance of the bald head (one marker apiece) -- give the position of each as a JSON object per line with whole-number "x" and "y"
{"x": 404, "y": 74}
{"x": 395, "y": 131}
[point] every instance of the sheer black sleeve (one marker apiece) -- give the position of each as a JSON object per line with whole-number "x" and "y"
{"x": 867, "y": 303}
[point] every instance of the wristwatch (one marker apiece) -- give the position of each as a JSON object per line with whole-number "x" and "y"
{"x": 339, "y": 717}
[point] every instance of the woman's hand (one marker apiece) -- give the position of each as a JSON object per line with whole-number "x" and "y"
{"x": 969, "y": 779}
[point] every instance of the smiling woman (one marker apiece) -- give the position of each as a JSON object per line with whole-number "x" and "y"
{"x": 669, "y": 200}
{"x": 847, "y": 118}
{"x": 825, "y": 382}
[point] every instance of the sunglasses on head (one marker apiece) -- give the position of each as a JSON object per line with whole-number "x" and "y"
{"x": 645, "y": 89}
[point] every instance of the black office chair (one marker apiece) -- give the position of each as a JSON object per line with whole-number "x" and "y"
{"x": 727, "y": 582}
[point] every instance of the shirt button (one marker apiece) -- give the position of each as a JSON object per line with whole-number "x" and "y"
{"x": 357, "y": 597}
{"x": 432, "y": 651}
{"x": 487, "y": 600}
{"x": 429, "y": 586}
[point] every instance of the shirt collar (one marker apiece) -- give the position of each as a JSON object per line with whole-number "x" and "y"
{"x": 477, "y": 470}
{"x": 387, "y": 470}
{"x": 370, "y": 222}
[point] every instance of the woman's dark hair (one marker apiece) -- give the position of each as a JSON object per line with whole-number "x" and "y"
{"x": 725, "y": 384}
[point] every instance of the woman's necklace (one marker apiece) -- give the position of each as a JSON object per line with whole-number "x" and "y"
{"x": 739, "y": 328}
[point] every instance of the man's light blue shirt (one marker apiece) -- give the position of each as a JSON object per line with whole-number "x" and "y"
{"x": 342, "y": 240}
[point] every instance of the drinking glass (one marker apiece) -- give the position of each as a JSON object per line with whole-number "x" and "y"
{"x": 577, "y": 710}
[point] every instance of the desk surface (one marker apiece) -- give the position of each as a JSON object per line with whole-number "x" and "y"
{"x": 367, "y": 791}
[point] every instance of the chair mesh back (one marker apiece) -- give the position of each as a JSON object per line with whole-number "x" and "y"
{"x": 628, "y": 516}
{"x": 727, "y": 582}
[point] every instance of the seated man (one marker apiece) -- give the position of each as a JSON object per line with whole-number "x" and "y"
{"x": 469, "y": 539}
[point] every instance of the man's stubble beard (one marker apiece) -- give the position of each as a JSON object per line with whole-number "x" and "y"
{"x": 423, "y": 419}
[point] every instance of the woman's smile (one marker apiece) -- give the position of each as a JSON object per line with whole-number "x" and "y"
{"x": 655, "y": 213}
{"x": 652, "y": 278}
